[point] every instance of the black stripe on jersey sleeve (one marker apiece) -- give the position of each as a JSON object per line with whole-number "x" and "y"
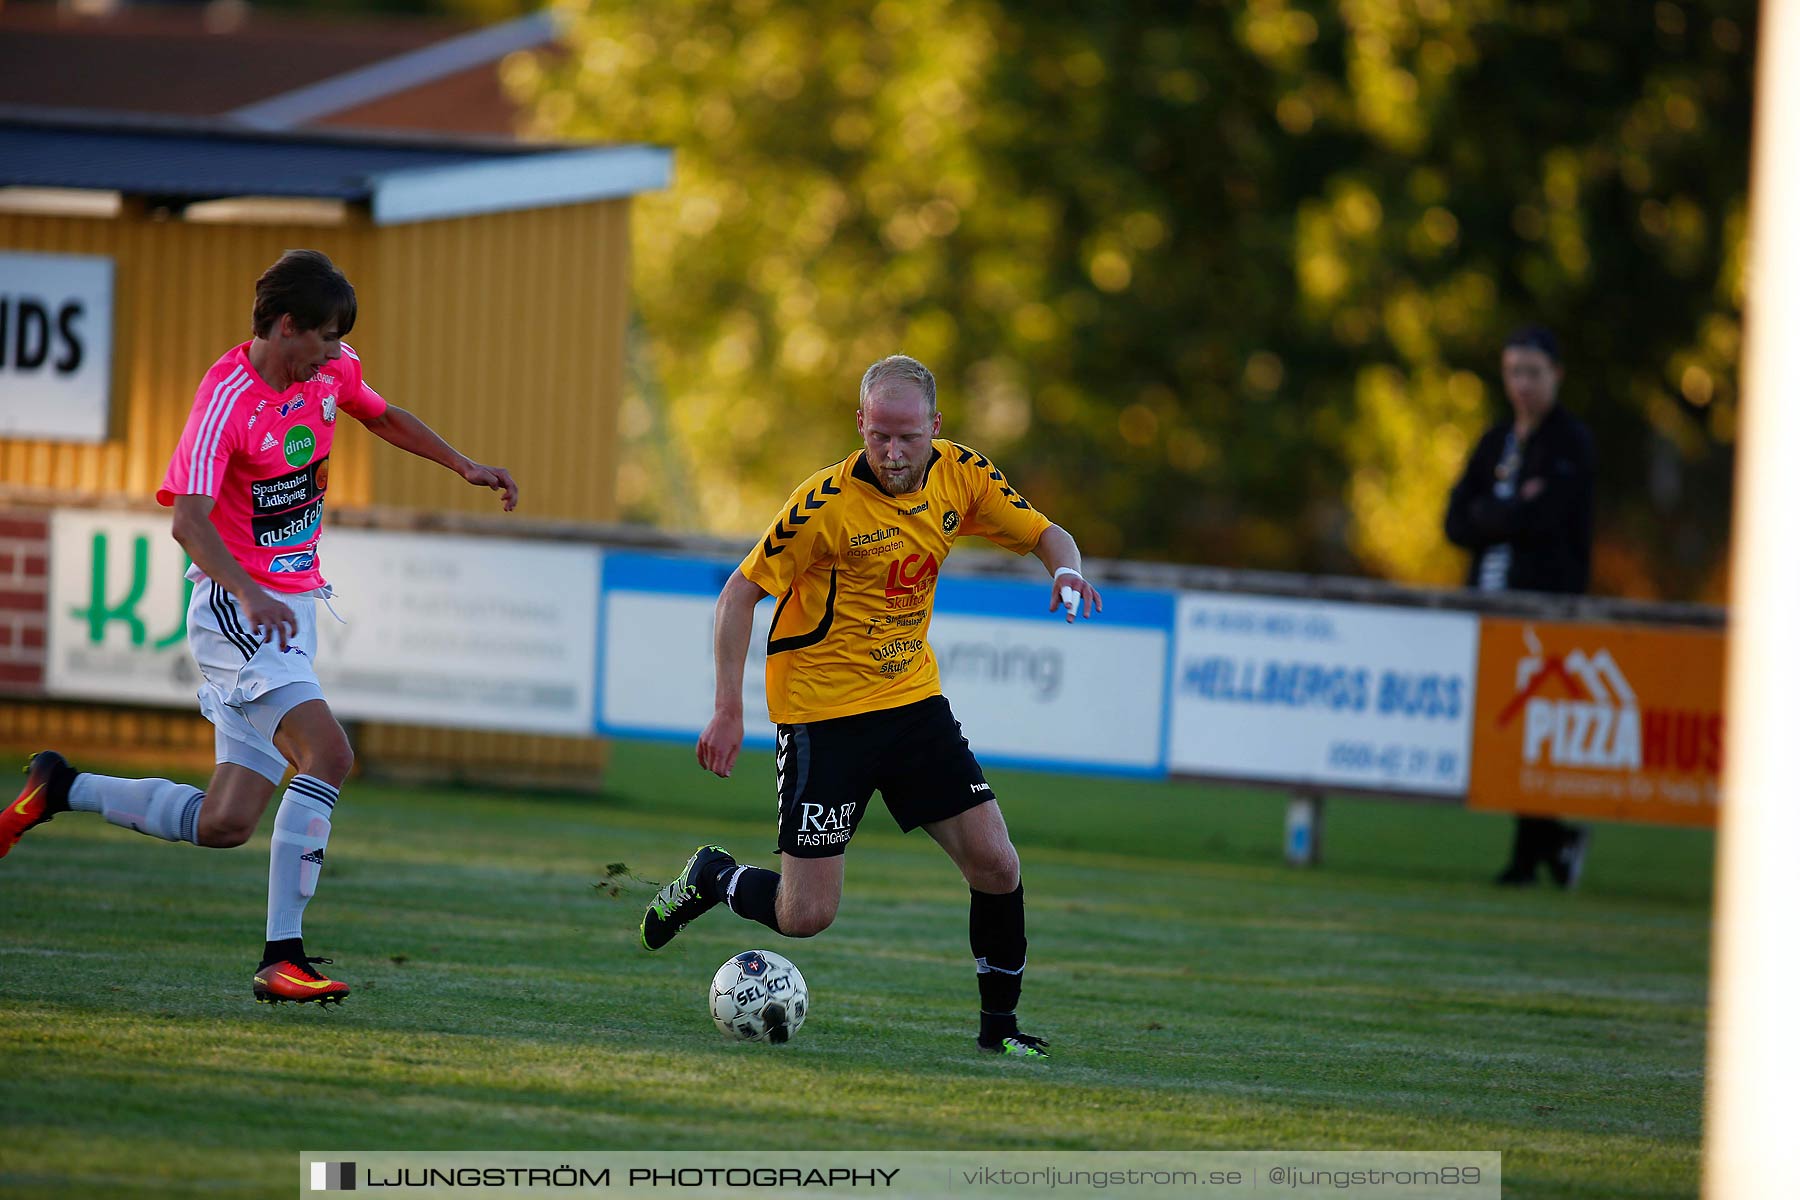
{"x": 801, "y": 641}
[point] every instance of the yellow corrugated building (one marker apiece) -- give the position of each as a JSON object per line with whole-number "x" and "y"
{"x": 493, "y": 293}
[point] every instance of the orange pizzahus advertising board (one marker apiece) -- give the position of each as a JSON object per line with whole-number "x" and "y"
{"x": 1618, "y": 722}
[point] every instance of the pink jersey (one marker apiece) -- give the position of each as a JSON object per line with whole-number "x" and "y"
{"x": 263, "y": 456}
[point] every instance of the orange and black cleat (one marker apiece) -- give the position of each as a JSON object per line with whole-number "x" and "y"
{"x": 294, "y": 980}
{"x": 46, "y": 793}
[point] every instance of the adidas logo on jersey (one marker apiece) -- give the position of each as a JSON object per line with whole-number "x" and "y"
{"x": 267, "y": 442}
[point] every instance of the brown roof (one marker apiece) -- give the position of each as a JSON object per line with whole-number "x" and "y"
{"x": 179, "y": 60}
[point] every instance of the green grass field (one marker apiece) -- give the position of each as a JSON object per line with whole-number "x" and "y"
{"x": 1199, "y": 993}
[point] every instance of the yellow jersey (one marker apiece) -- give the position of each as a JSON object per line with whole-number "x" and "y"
{"x": 856, "y": 571}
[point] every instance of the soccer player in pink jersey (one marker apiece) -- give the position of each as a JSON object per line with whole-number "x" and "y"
{"x": 247, "y": 484}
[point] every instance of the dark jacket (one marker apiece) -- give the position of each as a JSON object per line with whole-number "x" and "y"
{"x": 1551, "y": 534}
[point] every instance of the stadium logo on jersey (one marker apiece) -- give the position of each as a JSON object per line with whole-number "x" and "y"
{"x": 864, "y": 539}
{"x": 268, "y": 442}
{"x": 299, "y": 445}
{"x": 951, "y": 520}
{"x": 292, "y": 406}
{"x": 292, "y": 564}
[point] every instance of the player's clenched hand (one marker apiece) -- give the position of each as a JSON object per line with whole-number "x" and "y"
{"x": 1073, "y": 594}
{"x": 498, "y": 479}
{"x": 267, "y": 618}
{"x": 720, "y": 742}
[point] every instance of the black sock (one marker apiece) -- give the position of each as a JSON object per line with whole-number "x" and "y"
{"x": 57, "y": 794}
{"x": 714, "y": 883}
{"x": 285, "y": 950}
{"x": 997, "y": 939}
{"x": 995, "y": 1026}
{"x": 754, "y": 895}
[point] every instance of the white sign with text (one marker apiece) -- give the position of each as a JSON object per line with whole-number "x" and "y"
{"x": 56, "y": 334}
{"x": 467, "y": 632}
{"x": 1312, "y": 692}
{"x": 1031, "y": 692}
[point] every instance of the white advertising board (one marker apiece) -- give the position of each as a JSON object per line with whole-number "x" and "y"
{"x": 1306, "y": 692}
{"x": 56, "y": 318}
{"x": 478, "y": 633}
{"x": 467, "y": 632}
{"x": 118, "y": 610}
{"x": 657, "y": 666}
{"x": 1029, "y": 689}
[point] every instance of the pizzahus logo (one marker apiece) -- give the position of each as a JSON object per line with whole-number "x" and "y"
{"x": 299, "y": 445}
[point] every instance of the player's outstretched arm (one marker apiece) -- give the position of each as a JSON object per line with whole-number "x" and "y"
{"x": 723, "y": 736}
{"x": 400, "y": 428}
{"x": 1068, "y": 590}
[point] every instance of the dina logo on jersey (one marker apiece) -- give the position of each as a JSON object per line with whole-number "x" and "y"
{"x": 293, "y": 564}
{"x": 951, "y": 520}
{"x": 299, "y": 445}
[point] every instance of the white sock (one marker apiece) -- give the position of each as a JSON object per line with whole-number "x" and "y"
{"x": 297, "y": 851}
{"x": 170, "y": 811}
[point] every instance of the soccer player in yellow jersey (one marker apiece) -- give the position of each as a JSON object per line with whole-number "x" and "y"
{"x": 853, "y": 686}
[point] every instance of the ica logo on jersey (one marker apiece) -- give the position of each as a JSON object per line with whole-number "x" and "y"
{"x": 913, "y": 575}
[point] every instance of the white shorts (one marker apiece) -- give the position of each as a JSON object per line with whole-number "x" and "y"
{"x": 249, "y": 686}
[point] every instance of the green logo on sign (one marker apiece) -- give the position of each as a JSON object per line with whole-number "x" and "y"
{"x": 298, "y": 448}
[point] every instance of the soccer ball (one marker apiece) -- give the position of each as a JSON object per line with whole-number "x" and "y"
{"x": 758, "y": 996}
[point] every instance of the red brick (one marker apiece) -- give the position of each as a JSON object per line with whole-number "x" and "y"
{"x": 6, "y": 634}
{"x": 24, "y": 527}
{"x": 15, "y": 600}
{"x": 6, "y": 563}
{"x": 36, "y": 565}
{"x": 21, "y": 673}
{"x": 31, "y": 637}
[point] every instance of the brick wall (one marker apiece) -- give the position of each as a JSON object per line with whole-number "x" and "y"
{"x": 24, "y": 595}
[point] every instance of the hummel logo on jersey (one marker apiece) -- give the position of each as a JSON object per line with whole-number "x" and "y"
{"x": 268, "y": 442}
{"x": 916, "y": 509}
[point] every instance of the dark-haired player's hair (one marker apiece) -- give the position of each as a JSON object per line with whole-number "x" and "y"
{"x": 1534, "y": 337}
{"x": 305, "y": 285}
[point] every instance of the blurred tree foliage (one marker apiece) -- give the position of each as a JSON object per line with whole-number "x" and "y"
{"x": 477, "y": 11}
{"x": 1218, "y": 283}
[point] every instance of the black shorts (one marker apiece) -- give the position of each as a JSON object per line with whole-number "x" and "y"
{"x": 916, "y": 755}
